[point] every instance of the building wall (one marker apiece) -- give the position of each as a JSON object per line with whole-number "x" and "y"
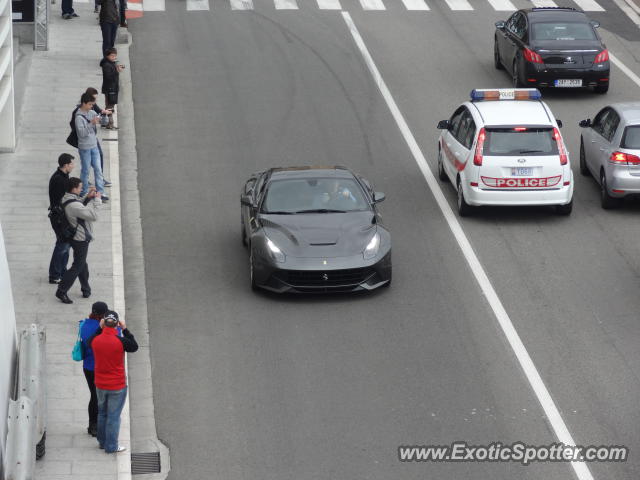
{"x": 7, "y": 346}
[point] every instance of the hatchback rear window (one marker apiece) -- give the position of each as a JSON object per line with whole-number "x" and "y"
{"x": 520, "y": 141}
{"x": 631, "y": 137}
{"x": 559, "y": 31}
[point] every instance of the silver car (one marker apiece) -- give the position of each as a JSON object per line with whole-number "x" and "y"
{"x": 610, "y": 151}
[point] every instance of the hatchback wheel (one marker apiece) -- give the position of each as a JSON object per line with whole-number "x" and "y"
{"x": 496, "y": 56}
{"x": 584, "y": 170}
{"x": 565, "y": 209}
{"x": 464, "y": 209}
{"x": 606, "y": 200}
{"x": 442, "y": 175}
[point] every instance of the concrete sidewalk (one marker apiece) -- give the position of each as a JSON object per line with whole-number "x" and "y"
{"x": 54, "y": 83}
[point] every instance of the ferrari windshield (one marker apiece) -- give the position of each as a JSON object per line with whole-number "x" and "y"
{"x": 314, "y": 195}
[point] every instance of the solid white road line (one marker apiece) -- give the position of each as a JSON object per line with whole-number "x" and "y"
{"x": 241, "y": 5}
{"x": 153, "y": 5}
{"x": 459, "y": 5}
{"x": 630, "y": 9}
{"x": 286, "y": 4}
{"x": 526, "y": 363}
{"x": 372, "y": 5}
{"x": 544, "y": 3}
{"x": 626, "y": 70}
{"x": 502, "y": 5}
{"x": 329, "y": 5}
{"x": 415, "y": 4}
{"x": 134, "y": 6}
{"x": 589, "y": 5}
{"x": 197, "y": 4}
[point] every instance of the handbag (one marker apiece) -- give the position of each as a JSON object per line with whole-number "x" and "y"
{"x": 77, "y": 353}
{"x": 112, "y": 97}
{"x": 72, "y": 139}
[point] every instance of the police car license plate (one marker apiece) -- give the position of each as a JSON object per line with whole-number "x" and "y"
{"x": 568, "y": 83}
{"x": 522, "y": 171}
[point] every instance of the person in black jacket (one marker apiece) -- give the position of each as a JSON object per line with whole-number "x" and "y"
{"x": 57, "y": 189}
{"x": 111, "y": 81}
{"x": 109, "y": 20}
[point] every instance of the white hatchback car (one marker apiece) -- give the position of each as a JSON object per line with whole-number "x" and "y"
{"x": 504, "y": 148}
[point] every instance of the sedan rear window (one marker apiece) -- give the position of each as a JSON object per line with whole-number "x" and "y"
{"x": 520, "y": 141}
{"x": 314, "y": 195}
{"x": 631, "y": 137}
{"x": 559, "y": 31}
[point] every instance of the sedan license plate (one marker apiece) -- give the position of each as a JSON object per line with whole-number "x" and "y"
{"x": 522, "y": 171}
{"x": 568, "y": 83}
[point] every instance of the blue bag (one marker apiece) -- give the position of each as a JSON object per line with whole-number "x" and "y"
{"x": 78, "y": 349}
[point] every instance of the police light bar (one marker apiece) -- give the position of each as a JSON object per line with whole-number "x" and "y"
{"x": 483, "y": 94}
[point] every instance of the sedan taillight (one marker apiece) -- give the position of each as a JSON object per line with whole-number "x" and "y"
{"x": 531, "y": 56}
{"x": 603, "y": 56}
{"x": 622, "y": 158}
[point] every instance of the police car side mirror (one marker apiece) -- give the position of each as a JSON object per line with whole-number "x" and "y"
{"x": 594, "y": 23}
{"x": 500, "y": 25}
{"x": 443, "y": 125}
{"x": 378, "y": 197}
{"x": 585, "y": 123}
{"x": 559, "y": 122}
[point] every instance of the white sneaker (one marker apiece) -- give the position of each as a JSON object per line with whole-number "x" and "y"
{"x": 120, "y": 448}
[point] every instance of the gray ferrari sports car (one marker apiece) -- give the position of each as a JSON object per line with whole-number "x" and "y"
{"x": 314, "y": 229}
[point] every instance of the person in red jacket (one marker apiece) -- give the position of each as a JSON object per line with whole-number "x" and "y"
{"x": 110, "y": 377}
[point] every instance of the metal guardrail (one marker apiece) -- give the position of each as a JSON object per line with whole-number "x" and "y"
{"x": 41, "y": 25}
{"x": 27, "y": 415}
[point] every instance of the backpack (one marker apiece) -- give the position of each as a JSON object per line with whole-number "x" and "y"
{"x": 60, "y": 223}
{"x": 72, "y": 139}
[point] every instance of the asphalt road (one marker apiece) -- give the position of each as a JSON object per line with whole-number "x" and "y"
{"x": 257, "y": 386}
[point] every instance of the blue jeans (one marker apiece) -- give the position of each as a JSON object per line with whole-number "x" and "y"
{"x": 110, "y": 404}
{"x": 90, "y": 159}
{"x": 59, "y": 260}
{"x": 109, "y": 34}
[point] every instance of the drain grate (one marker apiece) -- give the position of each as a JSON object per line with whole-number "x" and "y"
{"x": 142, "y": 463}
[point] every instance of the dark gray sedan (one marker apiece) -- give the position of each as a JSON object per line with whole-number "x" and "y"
{"x": 314, "y": 230}
{"x": 610, "y": 151}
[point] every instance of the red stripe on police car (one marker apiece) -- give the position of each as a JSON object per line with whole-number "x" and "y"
{"x": 544, "y": 182}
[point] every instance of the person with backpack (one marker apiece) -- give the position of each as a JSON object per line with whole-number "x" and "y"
{"x": 80, "y": 212}
{"x": 57, "y": 189}
{"x": 86, "y": 120}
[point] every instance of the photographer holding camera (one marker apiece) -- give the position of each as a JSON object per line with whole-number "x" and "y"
{"x": 110, "y": 378}
{"x": 86, "y": 120}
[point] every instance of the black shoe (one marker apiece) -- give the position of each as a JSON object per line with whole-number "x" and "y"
{"x": 63, "y": 297}
{"x": 104, "y": 198}
{"x": 107, "y": 183}
{"x": 75, "y": 15}
{"x": 54, "y": 281}
{"x": 66, "y": 16}
{"x": 92, "y": 430}
{"x": 86, "y": 294}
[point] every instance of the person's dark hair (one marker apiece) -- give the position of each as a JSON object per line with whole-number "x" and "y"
{"x": 86, "y": 98}
{"x": 64, "y": 159}
{"x": 109, "y": 51}
{"x": 92, "y": 91}
{"x": 73, "y": 183}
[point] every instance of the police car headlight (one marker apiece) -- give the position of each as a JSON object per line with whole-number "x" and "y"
{"x": 372, "y": 248}
{"x": 276, "y": 253}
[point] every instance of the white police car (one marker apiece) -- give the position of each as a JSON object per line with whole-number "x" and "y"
{"x": 504, "y": 148}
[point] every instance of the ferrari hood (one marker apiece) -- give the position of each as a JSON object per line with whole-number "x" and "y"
{"x": 320, "y": 234}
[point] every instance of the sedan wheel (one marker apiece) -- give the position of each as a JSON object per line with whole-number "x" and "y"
{"x": 496, "y": 56}
{"x": 442, "y": 175}
{"x": 251, "y": 277}
{"x": 584, "y": 170}
{"x": 606, "y": 200}
{"x": 243, "y": 234}
{"x": 516, "y": 75}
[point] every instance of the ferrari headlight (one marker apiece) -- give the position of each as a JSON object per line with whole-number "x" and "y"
{"x": 372, "y": 248}
{"x": 275, "y": 251}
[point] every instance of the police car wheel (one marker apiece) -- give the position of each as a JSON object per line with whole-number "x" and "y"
{"x": 496, "y": 56}
{"x": 584, "y": 170}
{"x": 565, "y": 209}
{"x": 464, "y": 209}
{"x": 442, "y": 175}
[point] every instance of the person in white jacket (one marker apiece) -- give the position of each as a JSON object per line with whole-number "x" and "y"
{"x": 81, "y": 212}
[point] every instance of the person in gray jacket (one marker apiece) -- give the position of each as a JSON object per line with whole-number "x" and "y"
{"x": 81, "y": 212}
{"x": 86, "y": 120}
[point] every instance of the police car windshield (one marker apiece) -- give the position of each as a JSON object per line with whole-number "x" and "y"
{"x": 631, "y": 137}
{"x": 313, "y": 195}
{"x": 562, "y": 31}
{"x": 519, "y": 141}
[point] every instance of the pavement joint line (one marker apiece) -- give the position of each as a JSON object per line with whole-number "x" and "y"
{"x": 524, "y": 359}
